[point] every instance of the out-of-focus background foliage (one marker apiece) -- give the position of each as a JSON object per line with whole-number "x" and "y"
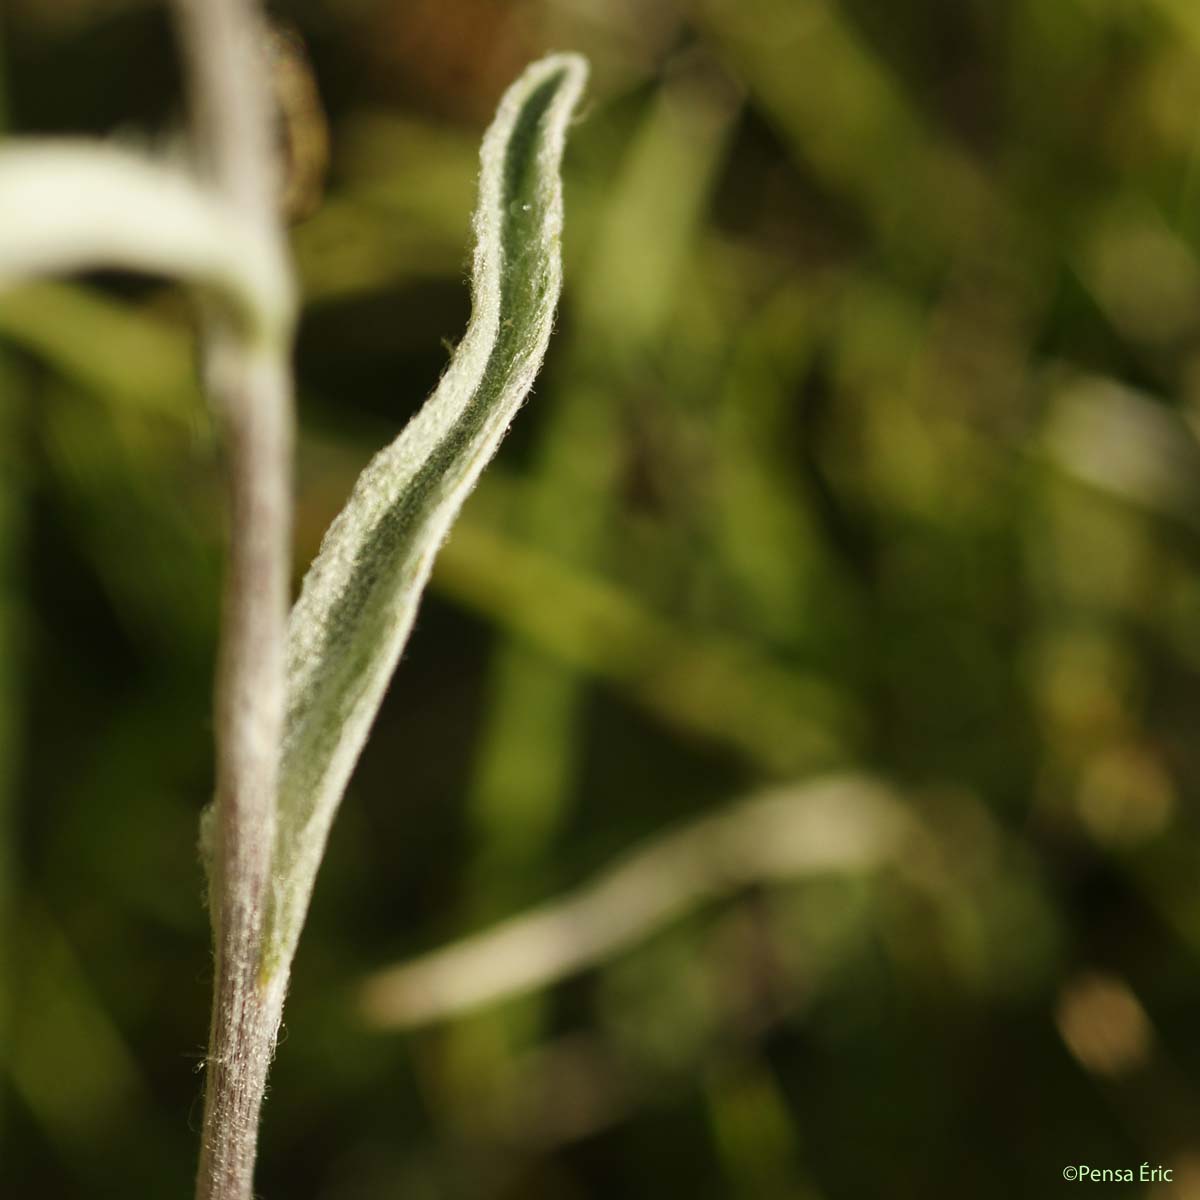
{"x": 866, "y": 444}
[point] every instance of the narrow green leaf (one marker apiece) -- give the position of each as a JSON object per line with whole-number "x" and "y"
{"x": 360, "y": 596}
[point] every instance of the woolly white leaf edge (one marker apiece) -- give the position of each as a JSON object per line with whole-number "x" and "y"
{"x": 377, "y": 555}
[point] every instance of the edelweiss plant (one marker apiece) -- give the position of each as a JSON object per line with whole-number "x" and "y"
{"x": 295, "y": 697}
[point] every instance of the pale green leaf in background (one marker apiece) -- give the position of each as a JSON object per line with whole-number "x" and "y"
{"x": 72, "y": 205}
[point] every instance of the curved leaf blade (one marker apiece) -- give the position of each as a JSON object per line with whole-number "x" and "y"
{"x": 360, "y": 596}
{"x": 74, "y": 205}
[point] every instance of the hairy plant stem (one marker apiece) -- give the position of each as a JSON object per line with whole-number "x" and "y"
{"x": 249, "y": 716}
{"x": 248, "y": 378}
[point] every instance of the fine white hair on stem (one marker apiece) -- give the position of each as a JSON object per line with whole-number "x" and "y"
{"x": 249, "y": 385}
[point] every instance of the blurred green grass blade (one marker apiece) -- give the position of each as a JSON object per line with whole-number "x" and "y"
{"x": 70, "y": 1065}
{"x": 767, "y": 540}
{"x": 360, "y": 597}
{"x": 654, "y": 215}
{"x": 116, "y": 470}
{"x": 848, "y": 122}
{"x": 699, "y": 682}
{"x": 92, "y": 339}
{"x": 1182, "y": 16}
{"x": 388, "y": 222}
{"x": 755, "y": 1133}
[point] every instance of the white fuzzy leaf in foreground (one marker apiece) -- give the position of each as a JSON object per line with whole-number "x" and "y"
{"x": 71, "y": 205}
{"x": 360, "y": 596}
